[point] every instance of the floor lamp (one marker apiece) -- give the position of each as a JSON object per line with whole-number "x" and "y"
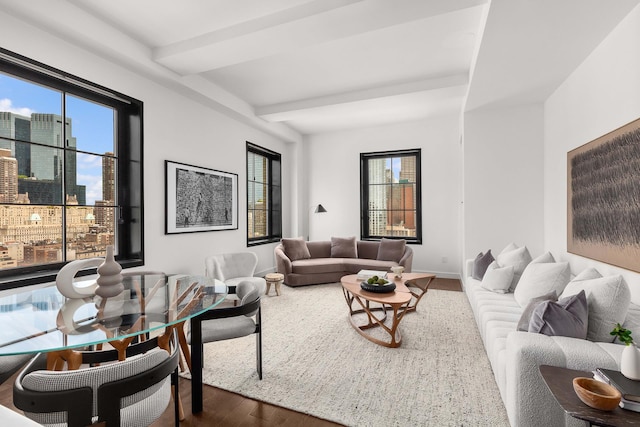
{"x": 318, "y": 209}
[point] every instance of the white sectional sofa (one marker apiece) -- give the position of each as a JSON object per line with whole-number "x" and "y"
{"x": 515, "y": 356}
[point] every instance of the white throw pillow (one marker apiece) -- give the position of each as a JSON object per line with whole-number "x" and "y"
{"x": 545, "y": 257}
{"x": 587, "y": 274}
{"x": 608, "y": 299}
{"x": 509, "y": 248}
{"x": 540, "y": 278}
{"x": 518, "y": 259}
{"x": 497, "y": 279}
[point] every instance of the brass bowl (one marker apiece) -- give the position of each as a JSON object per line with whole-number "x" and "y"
{"x": 596, "y": 394}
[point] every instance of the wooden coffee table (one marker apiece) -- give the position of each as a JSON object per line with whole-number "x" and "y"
{"x": 417, "y": 284}
{"x": 398, "y": 301}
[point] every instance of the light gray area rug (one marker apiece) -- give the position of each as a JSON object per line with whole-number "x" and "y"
{"x": 316, "y": 363}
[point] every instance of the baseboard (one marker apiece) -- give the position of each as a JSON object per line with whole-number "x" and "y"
{"x": 439, "y": 274}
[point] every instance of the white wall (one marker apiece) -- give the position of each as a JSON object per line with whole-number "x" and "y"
{"x": 333, "y": 171}
{"x": 175, "y": 128}
{"x": 503, "y": 190}
{"x": 600, "y": 96}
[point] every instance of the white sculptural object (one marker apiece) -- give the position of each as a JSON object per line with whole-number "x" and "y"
{"x": 71, "y": 289}
{"x": 109, "y": 277}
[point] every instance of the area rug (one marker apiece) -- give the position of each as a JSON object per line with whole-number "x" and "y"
{"x": 316, "y": 363}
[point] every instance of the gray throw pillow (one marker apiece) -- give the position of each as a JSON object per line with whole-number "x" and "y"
{"x": 568, "y": 317}
{"x": 296, "y": 249}
{"x": 391, "y": 249}
{"x": 480, "y": 264}
{"x": 523, "y": 323}
{"x": 344, "y": 247}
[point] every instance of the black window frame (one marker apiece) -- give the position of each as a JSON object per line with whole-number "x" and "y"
{"x": 274, "y": 205}
{"x": 364, "y": 193}
{"x": 129, "y": 227}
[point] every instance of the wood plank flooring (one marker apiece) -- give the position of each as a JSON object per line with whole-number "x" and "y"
{"x": 225, "y": 409}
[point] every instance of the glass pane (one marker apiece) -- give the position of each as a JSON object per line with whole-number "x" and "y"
{"x": 89, "y": 178}
{"x": 378, "y": 170}
{"x": 90, "y": 126}
{"x": 377, "y": 222}
{"x": 30, "y": 234}
{"x": 251, "y": 195}
{"x": 407, "y": 172}
{"x": 44, "y": 183}
{"x": 29, "y": 112}
{"x": 378, "y": 196}
{"x": 258, "y": 168}
{"x": 85, "y": 238}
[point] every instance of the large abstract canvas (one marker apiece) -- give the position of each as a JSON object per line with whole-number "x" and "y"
{"x": 604, "y": 198}
{"x": 199, "y": 199}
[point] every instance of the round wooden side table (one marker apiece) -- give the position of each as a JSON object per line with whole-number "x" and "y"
{"x": 276, "y": 279}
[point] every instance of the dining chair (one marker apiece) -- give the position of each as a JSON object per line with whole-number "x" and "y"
{"x": 227, "y": 323}
{"x": 133, "y": 392}
{"x": 233, "y": 268}
{"x": 9, "y": 365}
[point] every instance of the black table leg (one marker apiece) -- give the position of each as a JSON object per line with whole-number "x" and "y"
{"x": 196, "y": 365}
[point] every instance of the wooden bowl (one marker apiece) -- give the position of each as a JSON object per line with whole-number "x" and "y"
{"x": 597, "y": 394}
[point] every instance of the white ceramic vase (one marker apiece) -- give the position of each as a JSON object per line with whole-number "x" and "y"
{"x": 81, "y": 289}
{"x": 630, "y": 362}
{"x": 109, "y": 277}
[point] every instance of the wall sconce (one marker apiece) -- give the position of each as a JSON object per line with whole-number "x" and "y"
{"x": 320, "y": 209}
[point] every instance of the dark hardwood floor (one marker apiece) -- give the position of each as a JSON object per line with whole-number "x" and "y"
{"x": 226, "y": 409}
{"x": 221, "y": 408}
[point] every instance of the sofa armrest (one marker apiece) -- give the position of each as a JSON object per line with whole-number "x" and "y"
{"x": 407, "y": 259}
{"x": 529, "y": 402}
{"x": 283, "y": 263}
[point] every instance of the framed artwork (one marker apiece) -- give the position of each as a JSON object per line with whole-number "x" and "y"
{"x": 199, "y": 199}
{"x": 603, "y": 200}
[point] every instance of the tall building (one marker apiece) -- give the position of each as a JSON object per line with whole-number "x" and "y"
{"x": 108, "y": 178}
{"x": 8, "y": 177}
{"x": 42, "y": 164}
{"x": 378, "y": 197}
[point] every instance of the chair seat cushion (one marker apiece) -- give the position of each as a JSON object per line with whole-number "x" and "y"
{"x": 227, "y": 328}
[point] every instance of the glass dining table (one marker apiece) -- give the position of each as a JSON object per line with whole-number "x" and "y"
{"x": 40, "y": 319}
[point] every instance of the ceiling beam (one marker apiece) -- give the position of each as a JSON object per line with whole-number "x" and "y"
{"x": 287, "y": 110}
{"x": 318, "y": 21}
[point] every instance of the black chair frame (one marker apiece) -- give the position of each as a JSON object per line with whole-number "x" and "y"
{"x": 197, "y": 346}
{"x": 77, "y": 403}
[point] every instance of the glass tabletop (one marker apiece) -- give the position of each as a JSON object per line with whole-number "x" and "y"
{"x": 41, "y": 319}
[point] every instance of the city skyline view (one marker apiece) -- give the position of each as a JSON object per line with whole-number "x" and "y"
{"x": 92, "y": 125}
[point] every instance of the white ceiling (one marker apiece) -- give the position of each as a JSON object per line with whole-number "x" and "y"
{"x": 323, "y": 65}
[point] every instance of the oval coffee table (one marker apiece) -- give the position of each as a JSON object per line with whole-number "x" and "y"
{"x": 375, "y": 316}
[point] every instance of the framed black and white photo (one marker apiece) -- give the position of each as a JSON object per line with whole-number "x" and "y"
{"x": 199, "y": 199}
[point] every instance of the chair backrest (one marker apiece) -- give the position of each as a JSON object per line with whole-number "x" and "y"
{"x": 231, "y": 265}
{"x": 133, "y": 392}
{"x": 247, "y": 293}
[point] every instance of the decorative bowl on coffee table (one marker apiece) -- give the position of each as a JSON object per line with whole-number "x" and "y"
{"x": 369, "y": 287}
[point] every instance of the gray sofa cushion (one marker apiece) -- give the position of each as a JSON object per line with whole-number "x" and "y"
{"x": 343, "y": 247}
{"x": 523, "y": 323}
{"x": 481, "y": 263}
{"x": 296, "y": 249}
{"x": 568, "y": 317}
{"x": 391, "y": 249}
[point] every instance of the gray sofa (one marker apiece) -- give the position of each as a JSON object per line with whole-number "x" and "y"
{"x": 321, "y": 267}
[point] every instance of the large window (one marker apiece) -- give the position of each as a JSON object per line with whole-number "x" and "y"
{"x": 70, "y": 172}
{"x": 264, "y": 196}
{"x": 390, "y": 195}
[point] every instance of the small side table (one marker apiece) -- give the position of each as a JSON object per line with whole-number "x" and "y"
{"x": 560, "y": 383}
{"x": 276, "y": 279}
